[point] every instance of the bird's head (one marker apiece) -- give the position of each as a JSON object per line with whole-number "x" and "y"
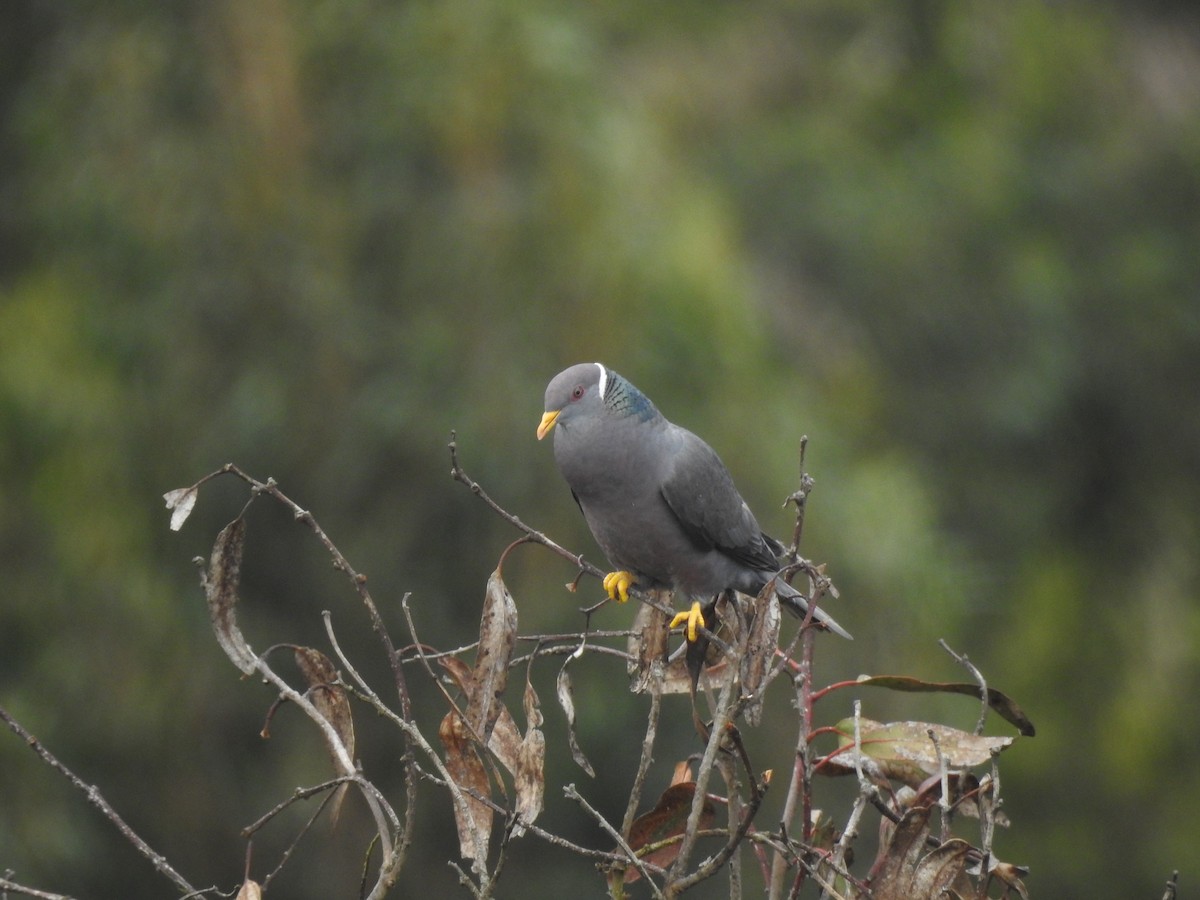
{"x": 572, "y": 393}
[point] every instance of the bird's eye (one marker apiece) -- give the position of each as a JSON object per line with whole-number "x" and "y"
{"x": 579, "y": 391}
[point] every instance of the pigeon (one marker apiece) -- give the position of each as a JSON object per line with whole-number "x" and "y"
{"x": 658, "y": 500}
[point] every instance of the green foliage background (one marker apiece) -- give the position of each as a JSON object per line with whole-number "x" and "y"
{"x": 956, "y": 244}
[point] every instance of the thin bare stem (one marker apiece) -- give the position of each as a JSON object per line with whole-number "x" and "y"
{"x": 800, "y": 498}
{"x": 297, "y": 795}
{"x": 799, "y": 788}
{"x": 639, "y": 780}
{"x": 7, "y": 885}
{"x": 944, "y": 782}
{"x": 291, "y": 847}
{"x": 735, "y": 836}
{"x": 721, "y": 718}
{"x": 963, "y": 661}
{"x": 459, "y": 474}
{"x": 572, "y": 794}
{"x": 94, "y": 797}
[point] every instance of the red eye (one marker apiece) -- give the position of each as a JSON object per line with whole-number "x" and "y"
{"x": 579, "y": 391}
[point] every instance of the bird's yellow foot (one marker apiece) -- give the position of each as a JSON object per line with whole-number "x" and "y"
{"x": 618, "y": 584}
{"x": 693, "y": 618}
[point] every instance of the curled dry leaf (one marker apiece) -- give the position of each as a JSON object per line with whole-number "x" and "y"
{"x": 505, "y": 741}
{"x": 1012, "y": 877}
{"x": 459, "y": 672}
{"x": 682, "y": 772}
{"x": 221, "y": 586}
{"x": 910, "y": 870}
{"x": 530, "y": 776}
{"x": 331, "y": 702}
{"x": 497, "y": 635}
{"x": 474, "y": 822}
{"x": 667, "y": 820}
{"x": 905, "y": 752}
{"x": 523, "y": 757}
{"x": 327, "y": 696}
{"x": 180, "y": 501}
{"x": 567, "y": 702}
{"x": 250, "y": 890}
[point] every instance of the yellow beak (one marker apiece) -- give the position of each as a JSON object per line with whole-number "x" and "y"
{"x": 548, "y": 420}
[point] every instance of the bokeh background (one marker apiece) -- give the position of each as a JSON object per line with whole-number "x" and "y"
{"x": 957, "y": 245}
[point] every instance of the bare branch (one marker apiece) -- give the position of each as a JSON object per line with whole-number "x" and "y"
{"x": 94, "y": 797}
{"x": 7, "y": 885}
{"x": 962, "y": 660}
{"x": 800, "y": 498}
{"x": 721, "y": 719}
{"x": 639, "y": 780}
{"x": 800, "y": 786}
{"x": 572, "y": 794}
{"x": 459, "y": 475}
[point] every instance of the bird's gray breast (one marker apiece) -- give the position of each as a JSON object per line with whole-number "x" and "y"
{"x": 614, "y": 469}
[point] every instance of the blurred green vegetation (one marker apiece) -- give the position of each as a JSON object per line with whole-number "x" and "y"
{"x": 956, "y": 244}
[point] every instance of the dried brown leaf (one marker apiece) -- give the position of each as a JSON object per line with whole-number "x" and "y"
{"x": 912, "y": 871}
{"x": 180, "y": 501}
{"x": 459, "y": 672}
{"x": 668, "y": 819}
{"x": 497, "y": 635}
{"x": 474, "y": 823}
{"x": 505, "y": 741}
{"x": 523, "y": 757}
{"x": 682, "y": 772}
{"x": 529, "y": 778}
{"x": 221, "y": 586}
{"x": 1012, "y": 877}
{"x": 331, "y": 701}
{"x": 940, "y": 870}
{"x": 250, "y": 890}
{"x": 567, "y": 702}
{"x": 327, "y": 696}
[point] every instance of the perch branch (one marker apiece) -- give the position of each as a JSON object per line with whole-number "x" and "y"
{"x": 459, "y": 474}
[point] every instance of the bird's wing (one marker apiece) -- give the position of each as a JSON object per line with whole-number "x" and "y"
{"x": 700, "y": 492}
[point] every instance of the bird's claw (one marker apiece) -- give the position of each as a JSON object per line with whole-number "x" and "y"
{"x": 617, "y": 584}
{"x": 693, "y": 618}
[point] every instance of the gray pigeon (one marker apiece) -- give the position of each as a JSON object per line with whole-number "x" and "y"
{"x": 659, "y": 501}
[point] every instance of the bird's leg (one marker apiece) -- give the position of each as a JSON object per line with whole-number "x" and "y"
{"x": 693, "y": 618}
{"x": 617, "y": 584}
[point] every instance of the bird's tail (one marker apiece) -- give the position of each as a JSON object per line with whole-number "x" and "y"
{"x": 796, "y": 603}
